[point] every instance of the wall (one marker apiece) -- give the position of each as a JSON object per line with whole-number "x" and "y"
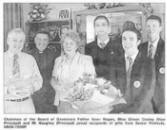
{"x": 159, "y": 8}
{"x": 53, "y": 15}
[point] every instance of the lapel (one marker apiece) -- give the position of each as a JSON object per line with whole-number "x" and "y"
{"x": 135, "y": 76}
{"x": 159, "y": 51}
{"x": 135, "y": 73}
{"x": 137, "y": 66}
{"x": 145, "y": 49}
{"x": 92, "y": 49}
{"x": 109, "y": 45}
{"x": 121, "y": 73}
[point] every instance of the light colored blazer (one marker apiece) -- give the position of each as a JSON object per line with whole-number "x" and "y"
{"x": 66, "y": 73}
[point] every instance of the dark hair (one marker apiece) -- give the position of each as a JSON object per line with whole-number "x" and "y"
{"x": 154, "y": 17}
{"x": 128, "y": 25}
{"x": 133, "y": 29}
{"x": 101, "y": 17}
{"x": 42, "y": 32}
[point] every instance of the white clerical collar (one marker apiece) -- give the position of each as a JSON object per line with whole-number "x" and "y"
{"x": 105, "y": 42}
{"x": 40, "y": 52}
{"x": 132, "y": 56}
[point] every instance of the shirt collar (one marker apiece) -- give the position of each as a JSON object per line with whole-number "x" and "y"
{"x": 106, "y": 41}
{"x": 41, "y": 52}
{"x": 133, "y": 56}
{"x": 155, "y": 43}
{"x": 10, "y": 54}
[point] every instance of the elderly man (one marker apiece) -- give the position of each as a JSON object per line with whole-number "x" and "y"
{"x": 21, "y": 75}
{"x": 44, "y": 56}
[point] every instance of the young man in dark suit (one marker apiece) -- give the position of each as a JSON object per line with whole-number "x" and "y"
{"x": 155, "y": 49}
{"x": 134, "y": 75}
{"x": 102, "y": 49}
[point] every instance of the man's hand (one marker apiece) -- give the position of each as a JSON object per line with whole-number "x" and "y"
{"x": 20, "y": 86}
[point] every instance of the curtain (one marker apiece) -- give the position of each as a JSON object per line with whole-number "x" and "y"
{"x": 13, "y": 18}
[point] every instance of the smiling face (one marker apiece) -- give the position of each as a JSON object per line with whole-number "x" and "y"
{"x": 153, "y": 29}
{"x": 130, "y": 42}
{"x": 41, "y": 41}
{"x": 69, "y": 46}
{"x": 101, "y": 27}
{"x": 15, "y": 42}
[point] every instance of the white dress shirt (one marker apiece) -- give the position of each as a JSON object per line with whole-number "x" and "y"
{"x": 133, "y": 59}
{"x": 28, "y": 72}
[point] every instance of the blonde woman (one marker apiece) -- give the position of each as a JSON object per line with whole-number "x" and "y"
{"x": 68, "y": 68}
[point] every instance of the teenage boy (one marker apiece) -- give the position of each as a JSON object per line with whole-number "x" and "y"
{"x": 102, "y": 49}
{"x": 134, "y": 75}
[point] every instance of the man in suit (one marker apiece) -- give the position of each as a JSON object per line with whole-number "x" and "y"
{"x": 133, "y": 74}
{"x": 155, "y": 49}
{"x": 44, "y": 56}
{"x": 102, "y": 49}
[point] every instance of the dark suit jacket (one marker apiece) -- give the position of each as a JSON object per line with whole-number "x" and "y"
{"x": 102, "y": 58}
{"x": 138, "y": 94}
{"x": 159, "y": 95}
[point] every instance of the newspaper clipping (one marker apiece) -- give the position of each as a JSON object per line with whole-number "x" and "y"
{"x": 83, "y": 65}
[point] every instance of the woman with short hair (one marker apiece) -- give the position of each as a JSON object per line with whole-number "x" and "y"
{"x": 68, "y": 68}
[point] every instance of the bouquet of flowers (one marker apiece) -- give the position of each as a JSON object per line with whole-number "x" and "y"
{"x": 87, "y": 87}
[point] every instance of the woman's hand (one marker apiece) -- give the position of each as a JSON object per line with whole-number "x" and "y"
{"x": 55, "y": 84}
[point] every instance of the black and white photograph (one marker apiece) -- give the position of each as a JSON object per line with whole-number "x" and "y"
{"x": 83, "y": 58}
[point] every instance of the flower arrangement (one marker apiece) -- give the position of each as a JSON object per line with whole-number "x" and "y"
{"x": 147, "y": 9}
{"x": 39, "y": 12}
{"x": 85, "y": 87}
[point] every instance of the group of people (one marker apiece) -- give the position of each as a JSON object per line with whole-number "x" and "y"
{"x": 38, "y": 81}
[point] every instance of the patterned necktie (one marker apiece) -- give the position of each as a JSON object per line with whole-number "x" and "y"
{"x": 16, "y": 67}
{"x": 130, "y": 62}
{"x": 150, "y": 51}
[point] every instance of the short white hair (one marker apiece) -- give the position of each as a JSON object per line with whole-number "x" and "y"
{"x": 16, "y": 31}
{"x": 73, "y": 35}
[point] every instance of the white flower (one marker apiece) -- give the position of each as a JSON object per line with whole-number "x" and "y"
{"x": 90, "y": 86}
{"x": 100, "y": 81}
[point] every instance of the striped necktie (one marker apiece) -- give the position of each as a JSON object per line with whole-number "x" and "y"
{"x": 151, "y": 51}
{"x": 130, "y": 62}
{"x": 128, "y": 78}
